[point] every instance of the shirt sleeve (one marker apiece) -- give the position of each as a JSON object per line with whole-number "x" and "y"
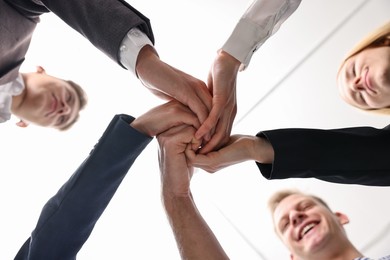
{"x": 261, "y": 20}
{"x": 131, "y": 45}
{"x": 13, "y": 88}
{"x": 356, "y": 155}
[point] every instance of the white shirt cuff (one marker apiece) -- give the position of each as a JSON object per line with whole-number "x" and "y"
{"x": 131, "y": 45}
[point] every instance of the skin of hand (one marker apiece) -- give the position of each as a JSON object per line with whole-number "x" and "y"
{"x": 195, "y": 240}
{"x": 173, "y": 113}
{"x": 168, "y": 82}
{"x": 240, "y": 148}
{"x": 222, "y": 84}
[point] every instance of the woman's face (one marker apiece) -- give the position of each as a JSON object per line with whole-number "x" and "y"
{"x": 364, "y": 79}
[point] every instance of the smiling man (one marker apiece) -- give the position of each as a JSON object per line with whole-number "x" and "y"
{"x": 43, "y": 100}
{"x": 309, "y": 228}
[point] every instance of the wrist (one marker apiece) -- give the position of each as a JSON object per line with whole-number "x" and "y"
{"x": 146, "y": 58}
{"x": 229, "y": 60}
{"x": 140, "y": 127}
{"x": 263, "y": 151}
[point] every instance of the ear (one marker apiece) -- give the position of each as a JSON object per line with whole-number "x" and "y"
{"x": 343, "y": 219}
{"x": 41, "y": 70}
{"x": 21, "y": 123}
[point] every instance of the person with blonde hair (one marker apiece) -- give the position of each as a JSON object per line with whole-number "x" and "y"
{"x": 310, "y": 229}
{"x": 355, "y": 155}
{"x": 305, "y": 223}
{"x": 364, "y": 75}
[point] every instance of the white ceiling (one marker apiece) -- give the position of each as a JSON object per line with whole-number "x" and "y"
{"x": 289, "y": 83}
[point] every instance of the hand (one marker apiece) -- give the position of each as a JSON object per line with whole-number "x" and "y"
{"x": 222, "y": 84}
{"x": 163, "y": 117}
{"x": 175, "y": 173}
{"x": 168, "y": 82}
{"x": 194, "y": 238}
{"x": 240, "y": 148}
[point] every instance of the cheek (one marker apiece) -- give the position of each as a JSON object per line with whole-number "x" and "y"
{"x": 383, "y": 75}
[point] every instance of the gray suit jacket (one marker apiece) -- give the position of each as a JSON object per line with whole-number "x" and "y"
{"x": 103, "y": 22}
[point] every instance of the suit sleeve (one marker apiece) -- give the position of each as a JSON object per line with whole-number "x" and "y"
{"x": 103, "y": 22}
{"x": 68, "y": 218}
{"x": 357, "y": 155}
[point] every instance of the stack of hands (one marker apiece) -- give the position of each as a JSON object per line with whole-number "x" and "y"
{"x": 180, "y": 150}
{"x": 193, "y": 130}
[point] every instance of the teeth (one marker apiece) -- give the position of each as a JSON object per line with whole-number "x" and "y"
{"x": 306, "y": 229}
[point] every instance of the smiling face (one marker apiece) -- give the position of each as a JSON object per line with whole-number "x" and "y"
{"x": 47, "y": 101}
{"x": 364, "y": 79}
{"x": 307, "y": 227}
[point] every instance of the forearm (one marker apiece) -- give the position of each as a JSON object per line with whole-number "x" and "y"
{"x": 104, "y": 23}
{"x": 194, "y": 238}
{"x": 68, "y": 218}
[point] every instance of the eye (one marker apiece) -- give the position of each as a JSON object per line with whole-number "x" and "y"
{"x": 284, "y": 226}
{"x": 306, "y": 206}
{"x": 353, "y": 70}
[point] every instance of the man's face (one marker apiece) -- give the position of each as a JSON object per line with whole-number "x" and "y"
{"x": 307, "y": 227}
{"x": 49, "y": 101}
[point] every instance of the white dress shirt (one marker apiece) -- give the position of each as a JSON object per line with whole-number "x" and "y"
{"x": 133, "y": 42}
{"x": 260, "y": 21}
{"x": 8, "y": 90}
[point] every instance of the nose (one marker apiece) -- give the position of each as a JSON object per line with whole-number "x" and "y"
{"x": 357, "y": 84}
{"x": 64, "y": 109}
{"x": 296, "y": 217}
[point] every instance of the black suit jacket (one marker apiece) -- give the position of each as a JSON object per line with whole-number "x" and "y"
{"x": 358, "y": 155}
{"x": 103, "y": 22}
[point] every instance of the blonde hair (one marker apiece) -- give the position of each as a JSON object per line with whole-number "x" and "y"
{"x": 377, "y": 38}
{"x": 82, "y": 97}
{"x": 277, "y": 197}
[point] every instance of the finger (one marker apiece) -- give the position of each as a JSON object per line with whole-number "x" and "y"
{"x": 196, "y": 160}
{"x": 209, "y": 124}
{"x": 221, "y": 136}
{"x": 213, "y": 144}
{"x": 200, "y": 105}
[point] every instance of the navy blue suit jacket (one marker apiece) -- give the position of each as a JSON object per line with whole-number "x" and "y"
{"x": 68, "y": 218}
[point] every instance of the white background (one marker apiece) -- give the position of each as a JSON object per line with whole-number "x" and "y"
{"x": 299, "y": 63}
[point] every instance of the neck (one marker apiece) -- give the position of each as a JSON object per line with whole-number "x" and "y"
{"x": 342, "y": 253}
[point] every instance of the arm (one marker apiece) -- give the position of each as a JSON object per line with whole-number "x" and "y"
{"x": 128, "y": 40}
{"x": 168, "y": 82}
{"x": 260, "y": 21}
{"x": 357, "y": 155}
{"x": 68, "y": 218}
{"x": 240, "y": 148}
{"x": 194, "y": 238}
